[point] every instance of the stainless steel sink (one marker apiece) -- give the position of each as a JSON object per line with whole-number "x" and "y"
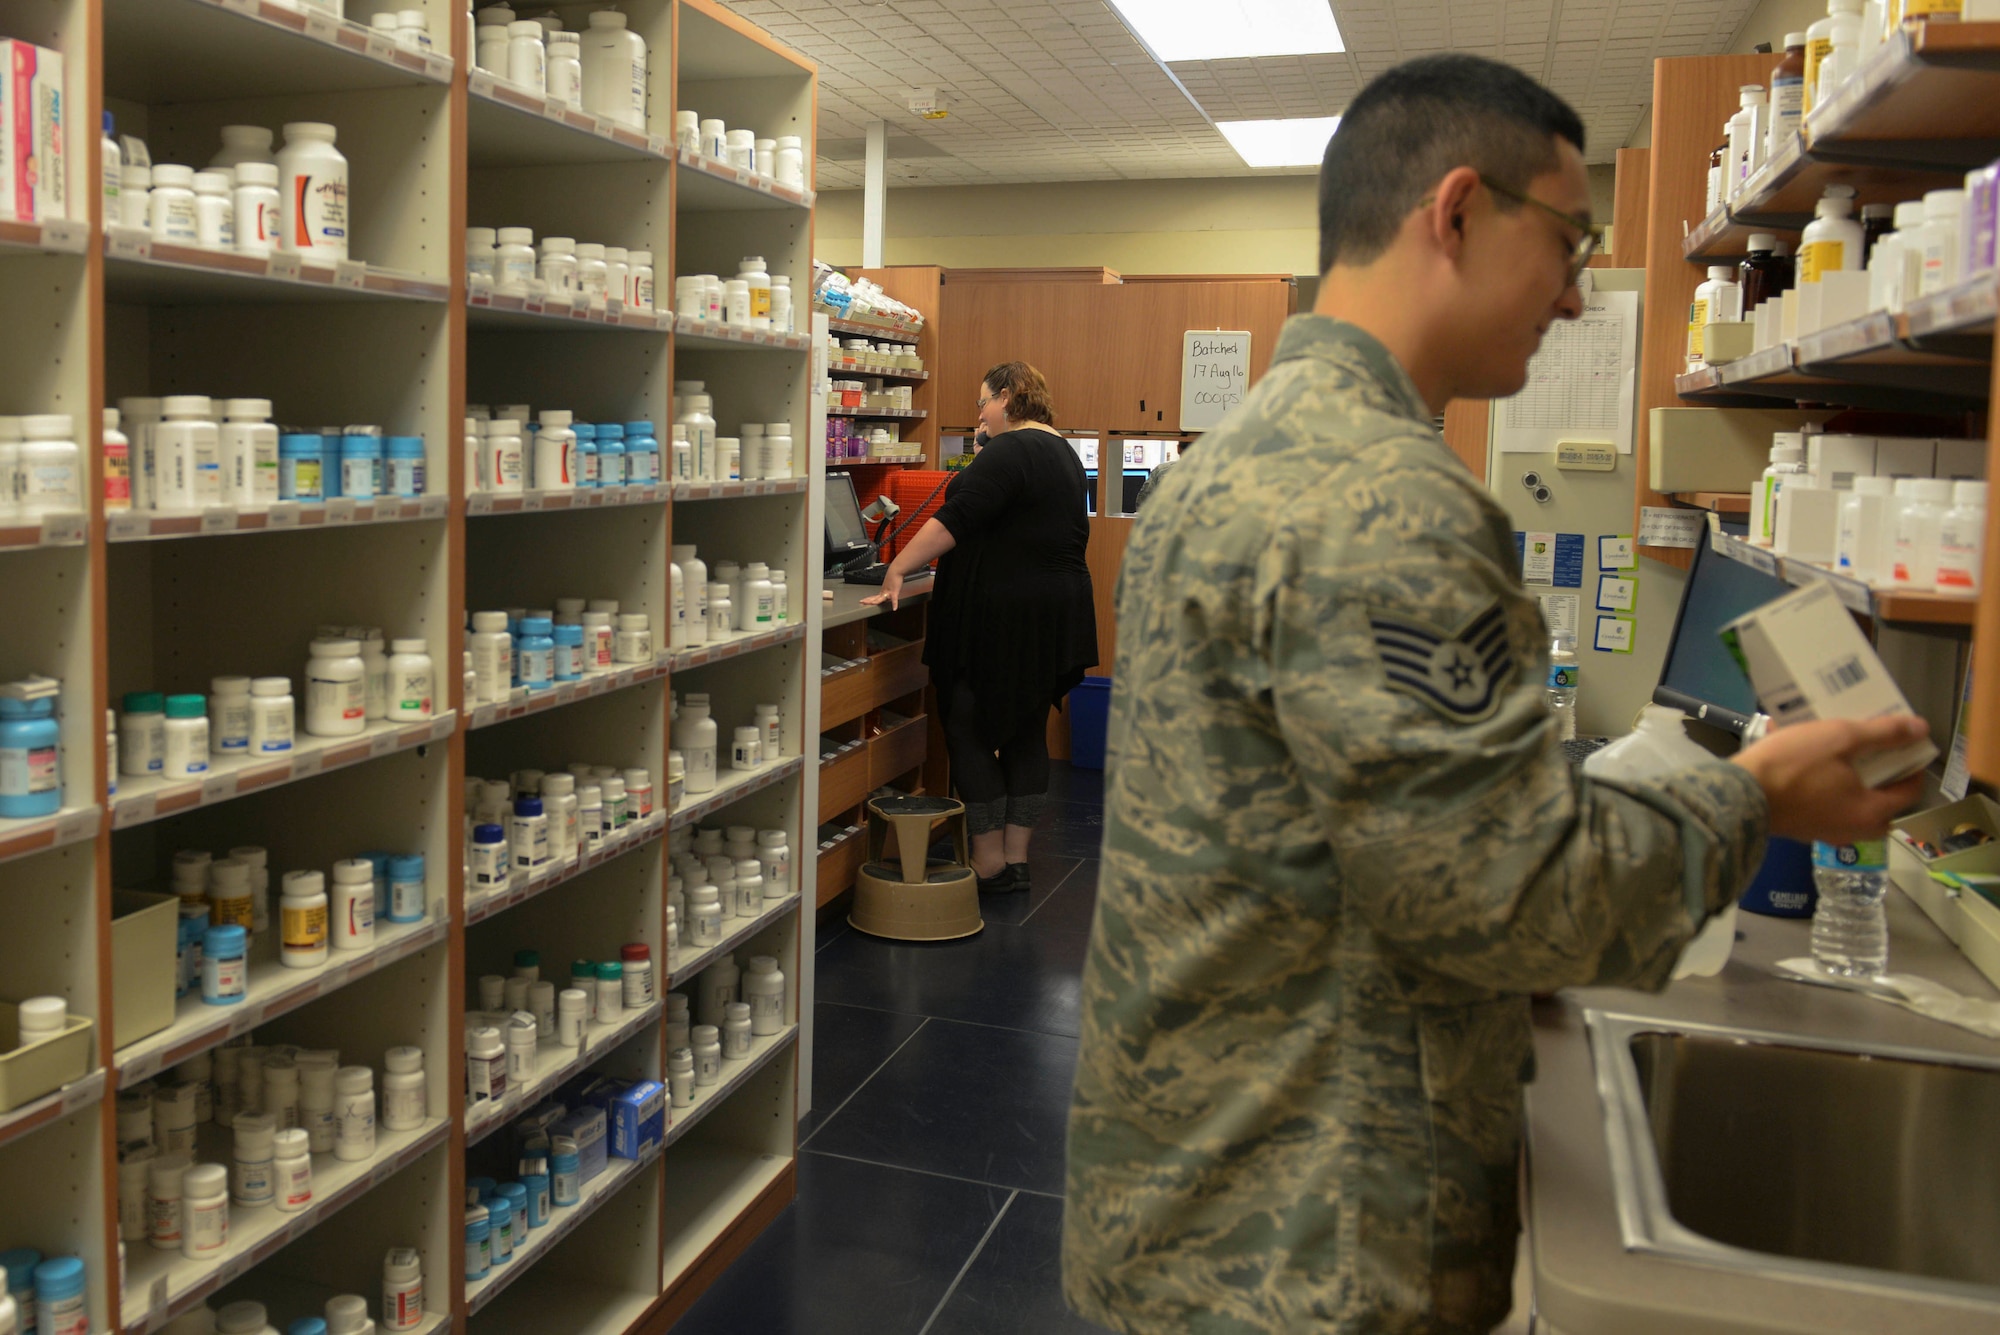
{"x": 1845, "y": 1164}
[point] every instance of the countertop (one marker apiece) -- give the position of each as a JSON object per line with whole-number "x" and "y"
{"x": 845, "y": 607}
{"x": 1586, "y": 1283}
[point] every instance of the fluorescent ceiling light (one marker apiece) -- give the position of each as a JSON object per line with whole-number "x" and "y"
{"x": 1232, "y": 29}
{"x": 1299, "y": 142}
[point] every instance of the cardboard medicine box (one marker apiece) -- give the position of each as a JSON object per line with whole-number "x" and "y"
{"x": 33, "y": 166}
{"x": 638, "y": 1118}
{"x": 1807, "y": 659}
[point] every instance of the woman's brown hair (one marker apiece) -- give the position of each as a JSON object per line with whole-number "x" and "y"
{"x": 1028, "y": 397}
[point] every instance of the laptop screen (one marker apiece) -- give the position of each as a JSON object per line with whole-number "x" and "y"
{"x": 846, "y": 534}
{"x": 1700, "y": 677}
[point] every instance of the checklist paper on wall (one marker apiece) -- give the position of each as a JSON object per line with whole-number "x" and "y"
{"x": 1580, "y": 384}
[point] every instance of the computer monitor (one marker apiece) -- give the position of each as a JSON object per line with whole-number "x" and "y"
{"x": 1700, "y": 677}
{"x": 846, "y": 533}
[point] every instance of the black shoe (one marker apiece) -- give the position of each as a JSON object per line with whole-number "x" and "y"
{"x": 1006, "y": 883}
{"x": 1019, "y": 871}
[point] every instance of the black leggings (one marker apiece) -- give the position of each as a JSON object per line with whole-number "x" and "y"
{"x": 1007, "y": 788}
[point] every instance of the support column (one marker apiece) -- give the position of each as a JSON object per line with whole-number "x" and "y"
{"x": 874, "y": 194}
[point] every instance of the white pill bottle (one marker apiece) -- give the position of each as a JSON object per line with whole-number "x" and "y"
{"x": 312, "y": 183}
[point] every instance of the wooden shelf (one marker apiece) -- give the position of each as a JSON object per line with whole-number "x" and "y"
{"x": 865, "y": 329}
{"x": 281, "y": 516}
{"x": 395, "y": 337}
{"x": 140, "y": 271}
{"x": 54, "y": 236}
{"x": 734, "y": 786}
{"x": 1890, "y": 605}
{"x": 839, "y": 859}
{"x": 684, "y": 964}
{"x": 161, "y": 1285}
{"x": 140, "y": 801}
{"x": 711, "y": 334}
{"x": 585, "y": 498}
{"x": 525, "y": 884}
{"x": 35, "y": 1114}
{"x": 554, "y": 1064}
{"x": 273, "y": 990}
{"x": 743, "y": 642}
{"x": 1721, "y": 502}
{"x": 509, "y": 126}
{"x": 491, "y": 310}
{"x": 524, "y": 702}
{"x": 183, "y": 50}
{"x": 1937, "y": 354}
{"x": 62, "y": 530}
{"x": 729, "y": 491}
{"x": 886, "y": 414}
{"x": 707, "y": 185}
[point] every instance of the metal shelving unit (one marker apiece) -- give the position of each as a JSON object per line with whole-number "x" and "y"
{"x": 108, "y": 603}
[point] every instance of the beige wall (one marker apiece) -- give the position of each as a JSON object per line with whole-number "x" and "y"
{"x": 1259, "y": 225}
{"x": 1264, "y": 225}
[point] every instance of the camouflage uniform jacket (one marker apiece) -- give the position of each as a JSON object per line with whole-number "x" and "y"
{"x": 1342, "y": 844}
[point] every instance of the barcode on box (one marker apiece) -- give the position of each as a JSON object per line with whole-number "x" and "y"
{"x": 1844, "y": 675}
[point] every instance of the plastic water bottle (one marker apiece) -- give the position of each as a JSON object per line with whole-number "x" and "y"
{"x": 1564, "y": 672}
{"x": 1850, "y": 930}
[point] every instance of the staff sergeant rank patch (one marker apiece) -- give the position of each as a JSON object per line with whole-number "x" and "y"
{"x": 1458, "y": 675}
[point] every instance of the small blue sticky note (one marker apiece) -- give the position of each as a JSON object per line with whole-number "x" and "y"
{"x": 1617, "y": 552}
{"x": 1615, "y": 635}
{"x": 1569, "y": 561}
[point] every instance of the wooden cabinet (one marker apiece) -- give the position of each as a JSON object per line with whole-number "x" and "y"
{"x": 1052, "y": 326}
{"x": 1111, "y": 351}
{"x": 1142, "y": 324}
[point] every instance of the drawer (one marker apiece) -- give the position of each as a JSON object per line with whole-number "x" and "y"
{"x": 896, "y": 751}
{"x": 845, "y": 695}
{"x": 896, "y": 672}
{"x": 843, "y": 782}
{"x": 837, "y": 866}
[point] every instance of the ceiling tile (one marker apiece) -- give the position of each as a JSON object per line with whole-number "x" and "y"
{"x": 1048, "y": 90}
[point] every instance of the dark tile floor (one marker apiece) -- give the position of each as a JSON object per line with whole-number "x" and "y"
{"x": 931, "y": 1167}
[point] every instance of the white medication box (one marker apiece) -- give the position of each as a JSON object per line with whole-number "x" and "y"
{"x": 1835, "y": 461}
{"x": 1808, "y": 524}
{"x": 1807, "y": 659}
{"x": 33, "y": 165}
{"x": 1904, "y": 456}
{"x": 1961, "y": 460}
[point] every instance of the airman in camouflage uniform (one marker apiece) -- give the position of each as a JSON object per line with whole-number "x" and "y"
{"x": 1342, "y": 841}
{"x": 1341, "y": 846}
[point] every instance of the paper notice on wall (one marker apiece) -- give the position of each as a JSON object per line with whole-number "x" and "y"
{"x": 1538, "y": 557}
{"x": 1560, "y": 610}
{"x": 1580, "y": 384}
{"x": 1665, "y": 526}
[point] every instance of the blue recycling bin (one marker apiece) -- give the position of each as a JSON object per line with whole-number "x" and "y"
{"x": 1089, "y": 717}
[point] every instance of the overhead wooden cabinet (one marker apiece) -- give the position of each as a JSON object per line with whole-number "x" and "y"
{"x": 1053, "y": 326}
{"x": 1141, "y": 328}
{"x": 1111, "y": 350}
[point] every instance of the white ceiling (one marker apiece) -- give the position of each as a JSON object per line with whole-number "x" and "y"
{"x": 1060, "y": 90}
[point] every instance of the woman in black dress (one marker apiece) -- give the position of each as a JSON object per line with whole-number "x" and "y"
{"x": 1012, "y": 624}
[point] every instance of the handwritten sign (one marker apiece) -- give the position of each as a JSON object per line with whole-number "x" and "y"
{"x": 1215, "y": 375}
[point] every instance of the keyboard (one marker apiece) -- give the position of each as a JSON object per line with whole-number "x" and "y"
{"x": 1580, "y": 749}
{"x": 868, "y": 574}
